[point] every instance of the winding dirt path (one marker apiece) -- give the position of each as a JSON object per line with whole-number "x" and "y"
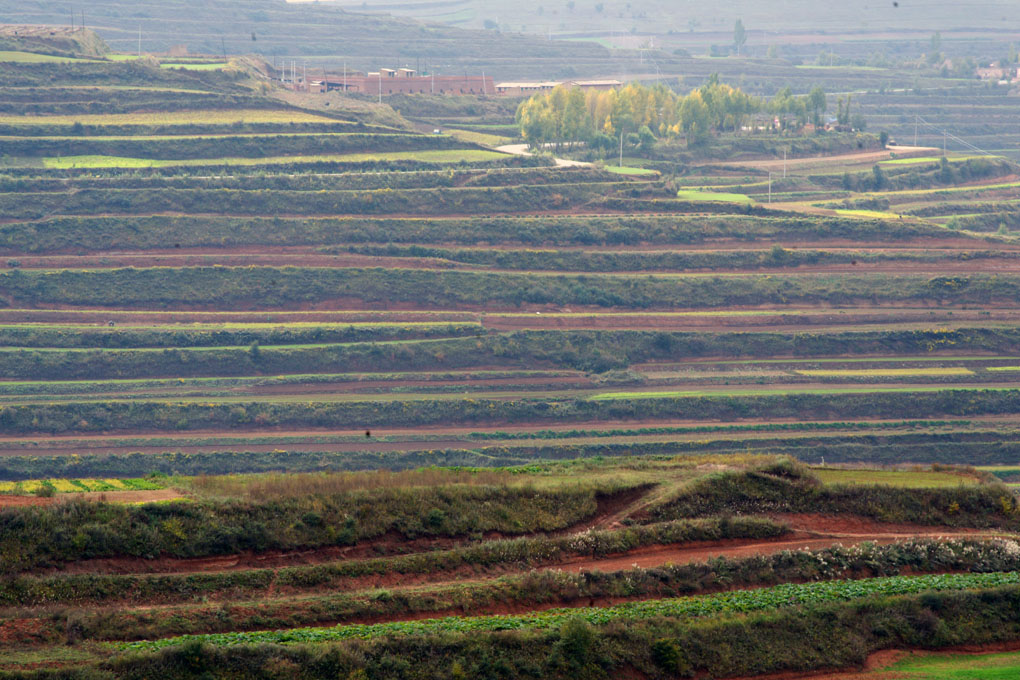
{"x": 522, "y": 150}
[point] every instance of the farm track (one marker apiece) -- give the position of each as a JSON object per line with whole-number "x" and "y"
{"x": 808, "y": 532}
{"x": 905, "y": 266}
{"x": 392, "y": 543}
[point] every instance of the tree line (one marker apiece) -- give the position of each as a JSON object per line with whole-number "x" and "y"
{"x": 570, "y": 115}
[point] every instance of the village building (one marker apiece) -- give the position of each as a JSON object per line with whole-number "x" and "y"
{"x": 1002, "y": 75}
{"x": 388, "y": 81}
{"x": 530, "y": 88}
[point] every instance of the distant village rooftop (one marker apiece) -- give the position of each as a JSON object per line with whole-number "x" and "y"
{"x": 542, "y": 86}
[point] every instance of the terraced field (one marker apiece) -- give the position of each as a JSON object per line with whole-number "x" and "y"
{"x": 306, "y": 394}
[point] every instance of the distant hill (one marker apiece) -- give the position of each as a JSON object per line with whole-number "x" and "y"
{"x": 54, "y": 40}
{"x": 327, "y": 33}
{"x": 803, "y": 27}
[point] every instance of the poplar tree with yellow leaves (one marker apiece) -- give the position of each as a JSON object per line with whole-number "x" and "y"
{"x": 570, "y": 116}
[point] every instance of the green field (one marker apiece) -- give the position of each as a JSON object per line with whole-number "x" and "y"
{"x": 904, "y": 478}
{"x": 724, "y": 392}
{"x": 35, "y": 58}
{"x": 439, "y": 156}
{"x": 479, "y": 137}
{"x": 190, "y": 117}
{"x": 922, "y": 666}
{"x": 931, "y": 159}
{"x": 696, "y": 195}
{"x": 625, "y": 170}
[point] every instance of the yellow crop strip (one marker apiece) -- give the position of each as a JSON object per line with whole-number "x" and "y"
{"x": 884, "y": 372}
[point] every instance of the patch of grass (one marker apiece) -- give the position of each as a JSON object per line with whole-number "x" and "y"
{"x": 217, "y": 66}
{"x": 719, "y": 197}
{"x": 479, "y": 137}
{"x": 885, "y": 372}
{"x": 924, "y": 479}
{"x": 625, "y": 170}
{"x": 33, "y": 58}
{"x": 956, "y": 667}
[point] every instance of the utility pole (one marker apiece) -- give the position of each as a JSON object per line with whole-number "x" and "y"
{"x": 433, "y": 80}
{"x": 139, "y": 41}
{"x": 484, "y": 91}
{"x": 83, "y": 20}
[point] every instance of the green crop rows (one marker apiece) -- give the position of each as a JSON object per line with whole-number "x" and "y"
{"x": 740, "y": 601}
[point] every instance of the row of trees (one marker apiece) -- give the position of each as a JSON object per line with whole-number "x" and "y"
{"x": 567, "y": 115}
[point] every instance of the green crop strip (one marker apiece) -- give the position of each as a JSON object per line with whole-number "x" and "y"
{"x": 864, "y": 389}
{"x": 741, "y": 601}
{"x": 432, "y": 156}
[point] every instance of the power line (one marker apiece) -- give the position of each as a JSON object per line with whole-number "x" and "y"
{"x": 948, "y": 135}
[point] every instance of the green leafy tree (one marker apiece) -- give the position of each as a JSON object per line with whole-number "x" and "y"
{"x": 694, "y": 119}
{"x": 843, "y": 110}
{"x": 879, "y": 177}
{"x": 817, "y": 103}
{"x": 935, "y": 51}
{"x": 739, "y": 36}
{"x": 576, "y": 125}
{"x": 646, "y": 138}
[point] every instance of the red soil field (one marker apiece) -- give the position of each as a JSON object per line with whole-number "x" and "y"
{"x": 808, "y": 532}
